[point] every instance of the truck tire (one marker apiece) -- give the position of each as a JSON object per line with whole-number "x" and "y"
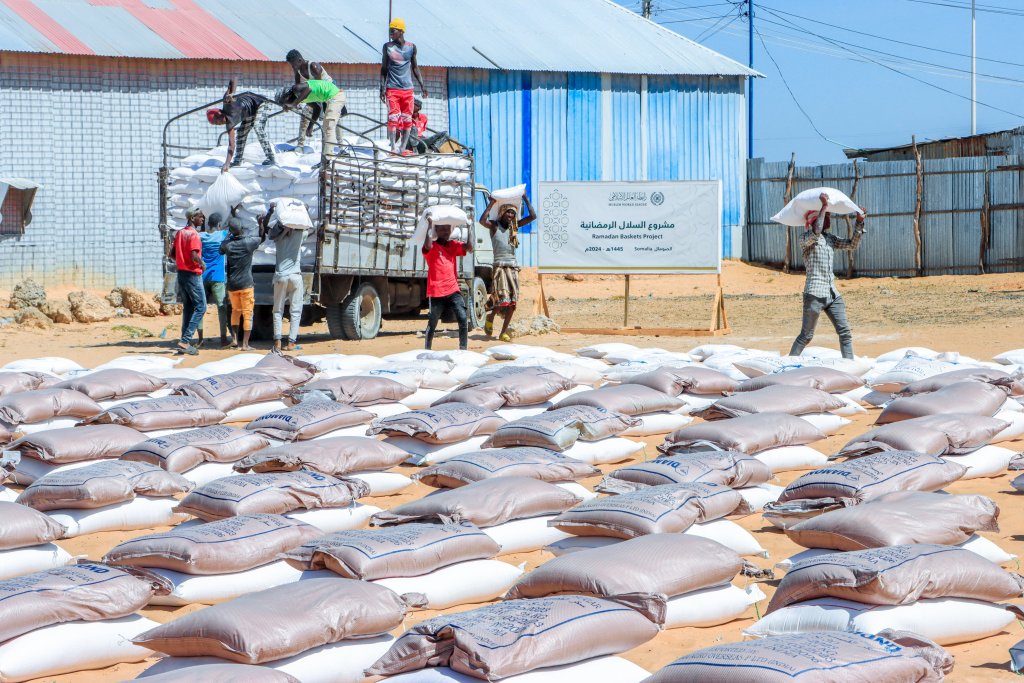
{"x": 476, "y": 303}
{"x": 334, "y": 326}
{"x": 360, "y": 313}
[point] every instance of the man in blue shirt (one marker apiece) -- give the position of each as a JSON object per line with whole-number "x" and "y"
{"x": 214, "y": 277}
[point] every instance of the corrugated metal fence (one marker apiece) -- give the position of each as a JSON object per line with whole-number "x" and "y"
{"x": 970, "y": 215}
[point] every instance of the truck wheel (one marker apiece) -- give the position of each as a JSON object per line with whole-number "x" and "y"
{"x": 334, "y": 326}
{"x": 262, "y": 323}
{"x": 360, "y": 313}
{"x": 476, "y": 303}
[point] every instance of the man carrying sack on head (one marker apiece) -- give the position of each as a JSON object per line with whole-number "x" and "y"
{"x": 504, "y": 241}
{"x": 820, "y": 293}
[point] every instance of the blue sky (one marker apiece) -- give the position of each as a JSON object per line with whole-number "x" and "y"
{"x": 853, "y": 101}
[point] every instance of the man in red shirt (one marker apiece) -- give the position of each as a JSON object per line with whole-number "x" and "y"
{"x": 443, "y": 291}
{"x": 188, "y": 258}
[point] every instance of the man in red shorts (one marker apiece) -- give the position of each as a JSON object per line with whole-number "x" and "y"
{"x": 397, "y": 70}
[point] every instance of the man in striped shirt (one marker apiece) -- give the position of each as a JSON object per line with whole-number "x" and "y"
{"x": 820, "y": 293}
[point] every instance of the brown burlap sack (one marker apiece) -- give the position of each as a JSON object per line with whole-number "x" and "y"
{"x": 536, "y": 463}
{"x": 642, "y": 572}
{"x": 243, "y": 388}
{"x": 5, "y": 434}
{"x": 899, "y": 518}
{"x": 823, "y": 379}
{"x": 169, "y": 412}
{"x": 508, "y": 638}
{"x": 404, "y": 550}
{"x": 666, "y": 509}
{"x": 898, "y": 575}
{"x": 223, "y": 673}
{"x": 274, "y": 493}
{"x": 185, "y": 450}
{"x": 685, "y": 380}
{"x": 728, "y": 468}
{"x": 485, "y": 503}
{"x": 521, "y": 389}
{"x": 14, "y": 382}
{"x": 779, "y": 398}
{"x": 558, "y": 430}
{"x": 21, "y": 526}
{"x": 308, "y": 420}
{"x": 100, "y": 484}
{"x": 76, "y": 444}
{"x": 886, "y": 657}
{"x": 949, "y": 434}
{"x": 448, "y": 423}
{"x": 987, "y": 375}
{"x": 971, "y": 398}
{"x": 88, "y": 591}
{"x": 112, "y": 384}
{"x": 337, "y": 456}
{"x": 229, "y": 545}
{"x": 355, "y": 390}
{"x": 862, "y": 479}
{"x": 627, "y": 399}
{"x": 40, "y": 405}
{"x": 748, "y": 434}
{"x": 288, "y": 368}
{"x": 280, "y": 622}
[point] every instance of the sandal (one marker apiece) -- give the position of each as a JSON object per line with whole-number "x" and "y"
{"x": 186, "y": 350}
{"x": 489, "y": 328}
{"x": 505, "y": 337}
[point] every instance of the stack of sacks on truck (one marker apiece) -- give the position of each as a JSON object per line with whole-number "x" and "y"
{"x": 211, "y": 562}
{"x": 587, "y": 433}
{"x": 354, "y": 457}
{"x": 515, "y": 511}
{"x": 26, "y": 541}
{"x": 944, "y": 593}
{"x": 434, "y": 434}
{"x": 113, "y": 495}
{"x": 73, "y": 618}
{"x": 433, "y": 565}
{"x": 326, "y": 502}
{"x": 778, "y": 440}
{"x": 320, "y": 630}
{"x": 691, "y": 508}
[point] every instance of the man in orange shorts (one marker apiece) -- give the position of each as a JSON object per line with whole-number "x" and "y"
{"x": 241, "y": 290}
{"x": 397, "y": 70}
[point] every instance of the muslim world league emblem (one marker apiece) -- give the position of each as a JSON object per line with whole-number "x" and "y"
{"x": 657, "y": 198}
{"x": 556, "y": 220}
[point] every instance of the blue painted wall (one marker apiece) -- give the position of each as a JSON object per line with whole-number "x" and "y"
{"x": 530, "y": 127}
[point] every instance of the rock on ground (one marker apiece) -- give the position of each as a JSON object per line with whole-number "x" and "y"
{"x": 27, "y": 293}
{"x": 138, "y": 303}
{"x": 538, "y": 324}
{"x": 115, "y": 298}
{"x": 89, "y": 308}
{"x": 32, "y": 317}
{"x": 58, "y": 311}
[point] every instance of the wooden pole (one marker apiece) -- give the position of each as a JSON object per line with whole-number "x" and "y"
{"x": 986, "y": 228}
{"x": 786, "y": 196}
{"x": 625, "y": 312}
{"x": 851, "y": 255}
{"x": 918, "y": 247}
{"x": 540, "y": 304}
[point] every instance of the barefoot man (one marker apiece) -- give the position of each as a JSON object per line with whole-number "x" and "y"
{"x": 505, "y": 282}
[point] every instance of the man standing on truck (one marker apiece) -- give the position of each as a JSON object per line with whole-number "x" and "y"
{"x": 213, "y": 276}
{"x": 187, "y": 251}
{"x": 324, "y": 94}
{"x": 307, "y": 71}
{"x": 443, "y": 291}
{"x": 243, "y": 112}
{"x": 397, "y": 70}
{"x": 288, "y": 286}
{"x": 504, "y": 241}
{"x": 239, "y": 250}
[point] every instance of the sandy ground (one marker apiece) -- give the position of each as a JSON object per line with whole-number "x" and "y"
{"x": 978, "y": 316}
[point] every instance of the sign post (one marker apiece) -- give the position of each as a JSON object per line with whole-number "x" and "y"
{"x": 668, "y": 227}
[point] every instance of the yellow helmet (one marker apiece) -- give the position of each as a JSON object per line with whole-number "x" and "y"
{"x": 397, "y": 23}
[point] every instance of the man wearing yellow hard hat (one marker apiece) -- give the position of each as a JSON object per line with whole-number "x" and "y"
{"x": 397, "y": 70}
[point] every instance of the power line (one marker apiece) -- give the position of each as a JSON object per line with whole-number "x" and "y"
{"x": 686, "y": 21}
{"x": 708, "y": 32}
{"x": 890, "y": 68}
{"x": 991, "y": 9}
{"x": 796, "y": 101}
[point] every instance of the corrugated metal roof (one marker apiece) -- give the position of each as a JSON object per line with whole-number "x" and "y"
{"x": 582, "y": 35}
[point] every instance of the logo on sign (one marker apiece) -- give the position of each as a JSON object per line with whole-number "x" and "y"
{"x": 657, "y": 198}
{"x": 555, "y": 221}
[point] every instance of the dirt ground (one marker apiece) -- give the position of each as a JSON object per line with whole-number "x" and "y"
{"x": 976, "y": 315}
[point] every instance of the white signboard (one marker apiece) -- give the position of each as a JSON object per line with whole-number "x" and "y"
{"x": 630, "y": 227}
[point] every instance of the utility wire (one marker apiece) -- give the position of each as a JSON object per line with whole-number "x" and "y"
{"x": 796, "y": 101}
{"x": 991, "y": 9}
{"x": 708, "y": 32}
{"x": 686, "y": 21}
{"x": 893, "y": 69}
